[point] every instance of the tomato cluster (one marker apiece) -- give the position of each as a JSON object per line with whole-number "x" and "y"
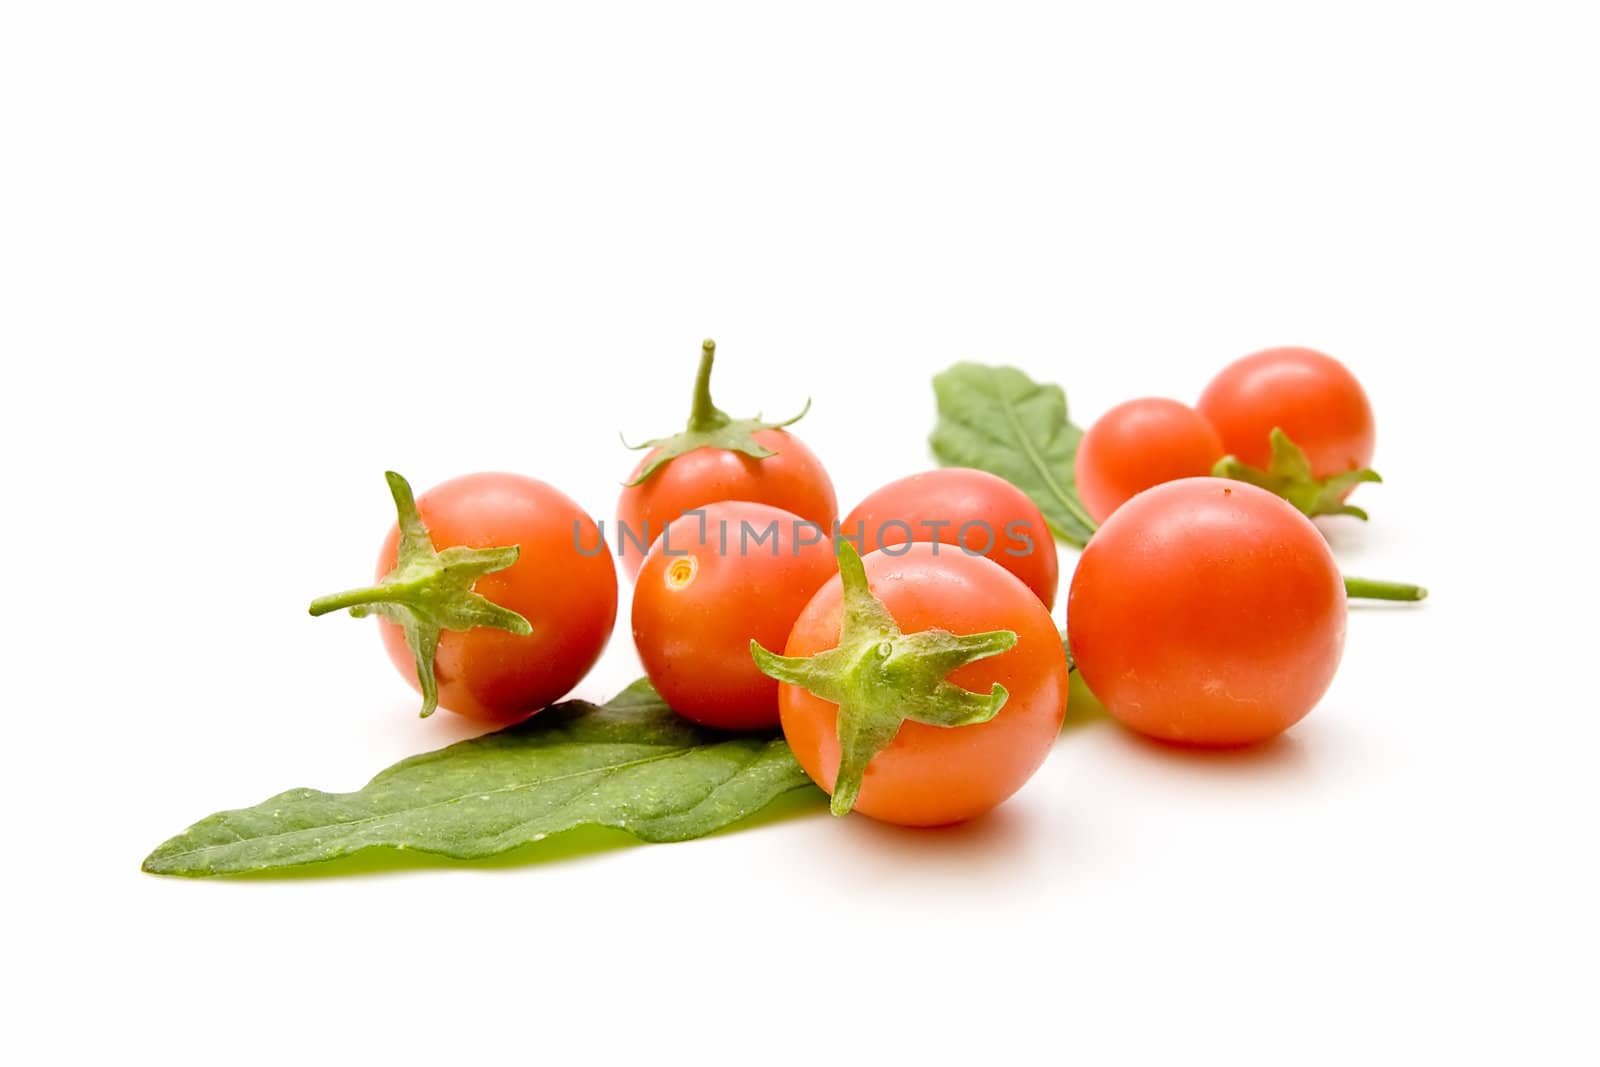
{"x": 907, "y": 651}
{"x": 1309, "y": 398}
{"x": 1205, "y": 610}
{"x": 730, "y": 586}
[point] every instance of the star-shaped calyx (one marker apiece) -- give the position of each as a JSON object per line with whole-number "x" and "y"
{"x": 881, "y": 677}
{"x": 429, "y": 591}
{"x": 1288, "y": 474}
{"x": 711, "y": 427}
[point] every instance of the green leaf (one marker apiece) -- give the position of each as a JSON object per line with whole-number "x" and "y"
{"x": 632, "y": 764}
{"x": 1288, "y": 474}
{"x": 999, "y": 420}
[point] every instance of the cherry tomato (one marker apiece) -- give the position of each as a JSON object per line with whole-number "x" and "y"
{"x": 715, "y": 581}
{"x": 1207, "y": 612}
{"x": 1142, "y": 443}
{"x": 1312, "y": 397}
{"x": 569, "y": 597}
{"x": 793, "y": 479}
{"x": 932, "y": 775}
{"x": 957, "y": 506}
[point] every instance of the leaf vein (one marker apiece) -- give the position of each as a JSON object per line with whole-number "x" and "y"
{"x": 411, "y": 811}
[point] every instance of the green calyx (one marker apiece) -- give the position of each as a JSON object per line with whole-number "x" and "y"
{"x": 429, "y": 591}
{"x": 1288, "y": 474}
{"x": 710, "y": 426}
{"x": 881, "y": 677}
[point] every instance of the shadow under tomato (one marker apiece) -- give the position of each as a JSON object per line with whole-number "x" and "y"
{"x": 1385, "y": 606}
{"x": 990, "y": 843}
{"x": 1282, "y": 756}
{"x": 1283, "y": 753}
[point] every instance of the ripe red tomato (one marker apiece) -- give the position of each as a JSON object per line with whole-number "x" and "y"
{"x": 933, "y": 775}
{"x": 793, "y": 479}
{"x": 714, "y": 582}
{"x": 1207, "y": 612}
{"x": 568, "y": 597}
{"x": 1142, "y": 443}
{"x": 959, "y": 506}
{"x": 1311, "y": 397}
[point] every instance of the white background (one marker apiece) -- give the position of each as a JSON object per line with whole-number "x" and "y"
{"x": 252, "y": 255}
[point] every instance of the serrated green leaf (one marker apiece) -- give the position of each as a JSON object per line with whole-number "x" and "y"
{"x": 632, "y": 764}
{"x": 999, "y": 420}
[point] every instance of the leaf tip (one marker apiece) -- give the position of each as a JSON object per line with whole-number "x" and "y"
{"x": 158, "y": 863}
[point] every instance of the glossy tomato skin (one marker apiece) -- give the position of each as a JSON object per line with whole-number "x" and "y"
{"x": 1139, "y": 444}
{"x": 706, "y": 589}
{"x": 570, "y": 599}
{"x": 931, "y": 775}
{"x": 1312, "y": 397}
{"x": 1207, "y": 612}
{"x": 937, "y": 506}
{"x": 793, "y": 479}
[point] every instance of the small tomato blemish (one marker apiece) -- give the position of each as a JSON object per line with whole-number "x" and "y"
{"x": 681, "y": 571}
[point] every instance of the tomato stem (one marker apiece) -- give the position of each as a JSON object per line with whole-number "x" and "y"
{"x": 705, "y": 416}
{"x": 709, "y": 426}
{"x": 880, "y": 677}
{"x": 1288, "y": 474}
{"x": 429, "y": 591}
{"x": 374, "y": 594}
{"x": 1373, "y": 589}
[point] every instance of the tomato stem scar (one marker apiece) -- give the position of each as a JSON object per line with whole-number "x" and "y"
{"x": 681, "y": 571}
